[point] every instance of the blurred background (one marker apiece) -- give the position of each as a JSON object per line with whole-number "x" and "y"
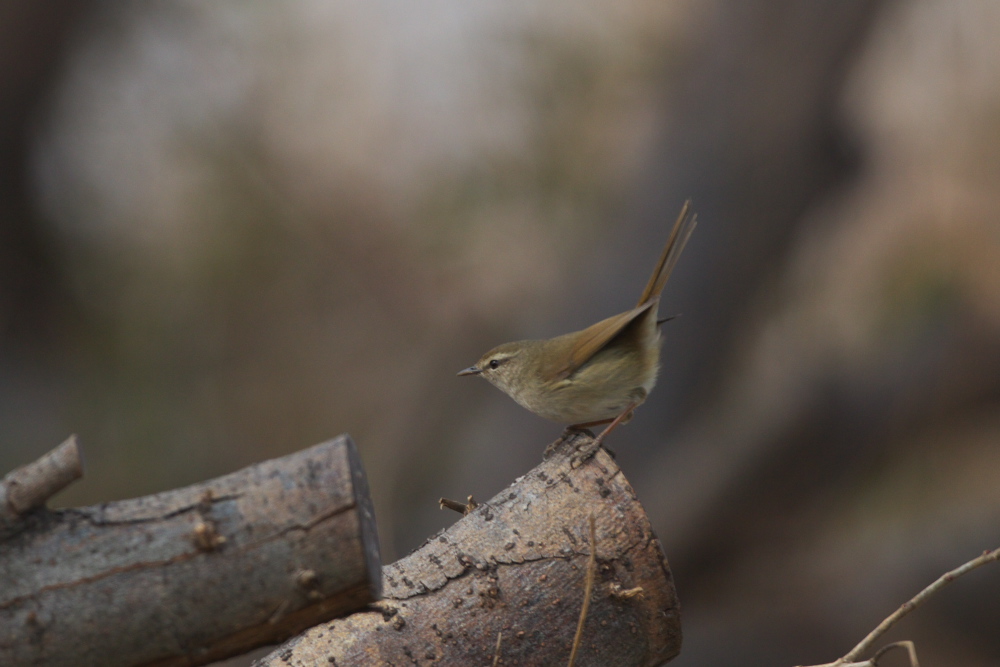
{"x": 229, "y": 231}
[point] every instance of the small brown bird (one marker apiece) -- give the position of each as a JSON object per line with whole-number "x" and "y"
{"x": 598, "y": 375}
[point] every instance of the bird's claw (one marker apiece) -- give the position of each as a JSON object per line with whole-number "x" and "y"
{"x": 584, "y": 451}
{"x": 566, "y": 440}
{"x": 578, "y": 445}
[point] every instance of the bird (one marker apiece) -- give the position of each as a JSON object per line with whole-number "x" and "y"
{"x": 598, "y": 375}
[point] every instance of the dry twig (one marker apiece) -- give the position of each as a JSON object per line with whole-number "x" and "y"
{"x": 851, "y": 658}
{"x": 496, "y": 651}
{"x": 588, "y": 589}
{"x": 911, "y": 649}
{"x": 461, "y": 508}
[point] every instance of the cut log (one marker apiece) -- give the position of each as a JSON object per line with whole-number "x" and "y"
{"x": 193, "y": 575}
{"x": 514, "y": 571}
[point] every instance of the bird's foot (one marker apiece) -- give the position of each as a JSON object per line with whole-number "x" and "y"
{"x": 566, "y": 440}
{"x": 584, "y": 450}
{"x": 577, "y": 444}
{"x": 587, "y": 449}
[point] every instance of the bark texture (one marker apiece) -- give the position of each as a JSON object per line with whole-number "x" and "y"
{"x": 517, "y": 565}
{"x": 193, "y": 575}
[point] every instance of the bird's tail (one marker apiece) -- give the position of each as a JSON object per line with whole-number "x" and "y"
{"x": 685, "y": 224}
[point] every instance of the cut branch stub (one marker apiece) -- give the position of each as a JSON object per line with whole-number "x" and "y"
{"x": 193, "y": 575}
{"x": 517, "y": 565}
{"x": 30, "y": 486}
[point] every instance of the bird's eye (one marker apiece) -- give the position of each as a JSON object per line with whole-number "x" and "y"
{"x": 494, "y": 364}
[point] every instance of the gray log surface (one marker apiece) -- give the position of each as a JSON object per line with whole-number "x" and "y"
{"x": 517, "y": 565}
{"x": 196, "y": 574}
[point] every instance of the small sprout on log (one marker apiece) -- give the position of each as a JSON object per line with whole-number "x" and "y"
{"x": 307, "y": 579}
{"x": 616, "y": 591}
{"x": 206, "y": 538}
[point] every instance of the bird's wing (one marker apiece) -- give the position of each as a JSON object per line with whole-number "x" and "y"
{"x": 590, "y": 341}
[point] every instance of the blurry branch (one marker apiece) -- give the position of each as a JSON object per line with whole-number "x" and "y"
{"x": 193, "y": 575}
{"x": 502, "y": 585}
{"x": 30, "y": 486}
{"x": 851, "y": 658}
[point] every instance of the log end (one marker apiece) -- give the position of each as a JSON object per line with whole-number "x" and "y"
{"x": 367, "y": 528}
{"x": 515, "y": 569}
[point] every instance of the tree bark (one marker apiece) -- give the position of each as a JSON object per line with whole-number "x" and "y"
{"x": 517, "y": 565}
{"x": 193, "y": 575}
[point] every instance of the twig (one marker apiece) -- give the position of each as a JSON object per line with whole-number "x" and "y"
{"x": 918, "y": 599}
{"x": 850, "y": 660}
{"x": 496, "y": 651}
{"x": 461, "y": 508}
{"x": 908, "y": 645}
{"x": 588, "y": 589}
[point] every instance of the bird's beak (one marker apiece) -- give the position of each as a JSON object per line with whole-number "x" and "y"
{"x": 471, "y": 370}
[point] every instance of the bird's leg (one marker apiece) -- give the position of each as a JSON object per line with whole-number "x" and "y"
{"x": 620, "y": 419}
{"x": 586, "y": 425}
{"x": 586, "y": 451}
